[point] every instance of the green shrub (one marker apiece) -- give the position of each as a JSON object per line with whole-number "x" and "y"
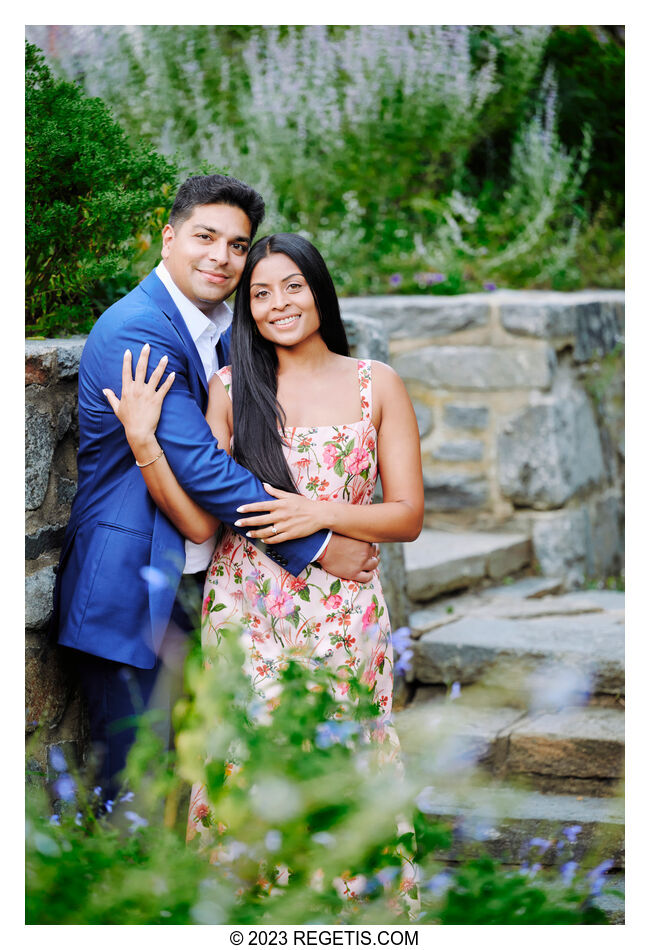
{"x": 92, "y": 202}
{"x": 420, "y": 159}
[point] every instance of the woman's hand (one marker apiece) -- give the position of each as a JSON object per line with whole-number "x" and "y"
{"x": 291, "y": 516}
{"x": 139, "y": 407}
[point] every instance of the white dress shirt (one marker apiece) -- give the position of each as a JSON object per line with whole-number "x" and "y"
{"x": 205, "y": 332}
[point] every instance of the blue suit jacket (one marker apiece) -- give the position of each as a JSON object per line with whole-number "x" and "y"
{"x": 104, "y": 603}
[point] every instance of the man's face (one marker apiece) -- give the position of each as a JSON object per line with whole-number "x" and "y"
{"x": 205, "y": 255}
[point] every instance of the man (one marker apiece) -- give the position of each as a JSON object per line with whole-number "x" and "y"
{"x": 125, "y": 571}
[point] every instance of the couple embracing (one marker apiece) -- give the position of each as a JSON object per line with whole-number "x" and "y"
{"x": 235, "y": 462}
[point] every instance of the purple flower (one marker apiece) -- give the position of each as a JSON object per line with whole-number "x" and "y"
{"x": 436, "y": 278}
{"x": 572, "y": 832}
{"x": 597, "y": 876}
{"x": 455, "y": 691}
{"x": 331, "y": 733}
{"x": 55, "y": 820}
{"x": 542, "y": 843}
{"x": 489, "y": 285}
{"x": 395, "y": 280}
{"x": 401, "y": 638}
{"x": 57, "y": 759}
{"x": 127, "y": 797}
{"x": 403, "y": 663}
{"x": 439, "y": 883}
{"x": 155, "y": 579}
{"x": 136, "y": 821}
{"x": 568, "y": 871}
{"x": 65, "y": 788}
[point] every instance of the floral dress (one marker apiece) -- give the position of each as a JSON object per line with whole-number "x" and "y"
{"x": 315, "y": 617}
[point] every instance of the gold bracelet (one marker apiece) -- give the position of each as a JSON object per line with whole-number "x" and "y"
{"x": 144, "y": 464}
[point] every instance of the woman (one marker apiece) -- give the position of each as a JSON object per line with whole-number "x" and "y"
{"x": 316, "y": 427}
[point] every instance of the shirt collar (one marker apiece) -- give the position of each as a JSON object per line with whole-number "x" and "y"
{"x": 197, "y": 322}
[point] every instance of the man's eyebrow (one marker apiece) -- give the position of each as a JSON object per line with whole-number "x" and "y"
{"x": 206, "y": 227}
{"x": 259, "y": 283}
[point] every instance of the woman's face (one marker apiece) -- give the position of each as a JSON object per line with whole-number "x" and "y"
{"x": 282, "y": 303}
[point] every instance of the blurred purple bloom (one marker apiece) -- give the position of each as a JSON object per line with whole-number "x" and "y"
{"x": 489, "y": 285}
{"x": 127, "y": 797}
{"x": 324, "y": 838}
{"x": 395, "y": 280}
{"x": 57, "y": 759}
{"x": 436, "y": 278}
{"x": 77, "y": 819}
{"x": 65, "y": 788}
{"x": 136, "y": 821}
{"x": 439, "y": 883}
{"x": 108, "y": 805}
{"x": 401, "y": 638}
{"x": 403, "y": 662}
{"x": 153, "y": 577}
{"x": 455, "y": 691}
{"x": 331, "y": 733}
{"x": 273, "y": 840}
{"x": 568, "y": 871}
{"x": 386, "y": 875}
{"x": 55, "y": 820}
{"x": 542, "y": 843}
{"x": 572, "y": 832}
{"x": 596, "y": 877}
{"x": 97, "y": 790}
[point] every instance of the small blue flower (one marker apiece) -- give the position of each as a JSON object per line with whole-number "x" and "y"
{"x": 386, "y": 875}
{"x": 127, "y": 797}
{"x": 136, "y": 821}
{"x": 455, "y": 691}
{"x": 572, "y": 832}
{"x": 77, "y": 819}
{"x": 403, "y": 663}
{"x": 65, "y": 788}
{"x": 153, "y": 577}
{"x": 542, "y": 843}
{"x": 597, "y": 875}
{"x": 401, "y": 638}
{"x": 568, "y": 871}
{"x": 395, "y": 280}
{"x": 489, "y": 285}
{"x": 55, "y": 820}
{"x": 436, "y": 278}
{"x": 324, "y": 838}
{"x": 273, "y": 840}
{"x": 439, "y": 883}
{"x": 57, "y": 759}
{"x": 108, "y": 805}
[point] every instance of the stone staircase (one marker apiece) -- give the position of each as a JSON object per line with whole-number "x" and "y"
{"x": 540, "y": 690}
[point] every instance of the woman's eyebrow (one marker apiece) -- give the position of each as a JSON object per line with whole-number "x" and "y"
{"x": 259, "y": 283}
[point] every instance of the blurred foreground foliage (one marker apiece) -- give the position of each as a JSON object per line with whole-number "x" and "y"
{"x": 419, "y": 159}
{"x": 302, "y": 826}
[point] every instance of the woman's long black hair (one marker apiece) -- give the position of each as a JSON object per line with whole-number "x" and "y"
{"x": 256, "y": 411}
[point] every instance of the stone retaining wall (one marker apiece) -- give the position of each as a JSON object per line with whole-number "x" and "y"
{"x": 519, "y": 400}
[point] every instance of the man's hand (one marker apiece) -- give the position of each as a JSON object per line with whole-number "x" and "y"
{"x": 349, "y": 559}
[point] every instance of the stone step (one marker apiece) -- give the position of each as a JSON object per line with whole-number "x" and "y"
{"x": 441, "y": 561}
{"x": 538, "y": 653}
{"x": 502, "y": 821}
{"x": 576, "y": 750}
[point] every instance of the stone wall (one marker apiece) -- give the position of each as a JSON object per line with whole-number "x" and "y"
{"x": 519, "y": 400}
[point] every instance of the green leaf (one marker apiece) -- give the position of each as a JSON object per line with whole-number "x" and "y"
{"x": 335, "y": 586}
{"x": 304, "y": 594}
{"x": 338, "y": 468}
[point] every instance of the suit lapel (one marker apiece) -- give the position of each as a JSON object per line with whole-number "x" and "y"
{"x": 156, "y": 290}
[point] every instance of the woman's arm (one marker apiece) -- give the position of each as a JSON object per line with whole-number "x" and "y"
{"x": 398, "y": 518}
{"x": 138, "y": 410}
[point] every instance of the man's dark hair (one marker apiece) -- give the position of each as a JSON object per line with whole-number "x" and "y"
{"x": 217, "y": 190}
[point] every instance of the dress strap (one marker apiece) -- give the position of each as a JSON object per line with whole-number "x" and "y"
{"x": 365, "y": 388}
